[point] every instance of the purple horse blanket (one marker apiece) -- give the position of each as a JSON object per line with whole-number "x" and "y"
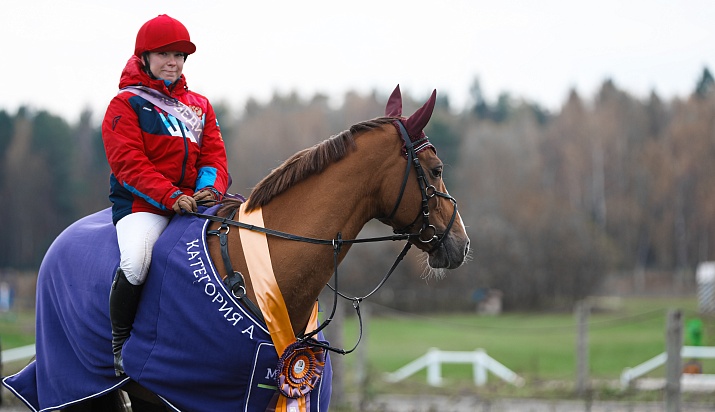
{"x": 192, "y": 343}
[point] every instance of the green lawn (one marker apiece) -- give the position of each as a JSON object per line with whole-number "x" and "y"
{"x": 17, "y": 329}
{"x": 537, "y": 346}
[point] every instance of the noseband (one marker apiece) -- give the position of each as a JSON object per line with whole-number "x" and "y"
{"x": 427, "y": 233}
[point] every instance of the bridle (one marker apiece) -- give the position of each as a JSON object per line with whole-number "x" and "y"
{"x": 427, "y": 234}
{"x": 427, "y": 191}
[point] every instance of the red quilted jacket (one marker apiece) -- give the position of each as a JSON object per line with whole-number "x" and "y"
{"x": 151, "y": 158}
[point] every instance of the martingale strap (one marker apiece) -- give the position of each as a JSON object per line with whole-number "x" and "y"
{"x": 172, "y": 106}
{"x": 234, "y": 280}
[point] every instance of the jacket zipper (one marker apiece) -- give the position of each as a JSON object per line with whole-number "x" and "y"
{"x": 186, "y": 153}
{"x": 186, "y": 142}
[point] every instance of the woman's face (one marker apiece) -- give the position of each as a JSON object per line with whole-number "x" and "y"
{"x": 166, "y": 65}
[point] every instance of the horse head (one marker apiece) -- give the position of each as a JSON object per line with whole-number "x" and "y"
{"x": 424, "y": 208}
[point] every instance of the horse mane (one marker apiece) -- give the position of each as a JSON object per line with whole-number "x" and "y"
{"x": 303, "y": 164}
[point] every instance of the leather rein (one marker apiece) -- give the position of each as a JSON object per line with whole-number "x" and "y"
{"x": 427, "y": 234}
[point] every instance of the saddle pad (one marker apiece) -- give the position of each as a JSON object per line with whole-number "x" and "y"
{"x": 192, "y": 343}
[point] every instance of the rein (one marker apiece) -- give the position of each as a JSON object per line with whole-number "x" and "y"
{"x": 236, "y": 283}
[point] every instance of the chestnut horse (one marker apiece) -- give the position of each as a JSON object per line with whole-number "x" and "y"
{"x": 314, "y": 206}
{"x": 338, "y": 186}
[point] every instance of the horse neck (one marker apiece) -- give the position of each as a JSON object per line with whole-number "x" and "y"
{"x": 342, "y": 200}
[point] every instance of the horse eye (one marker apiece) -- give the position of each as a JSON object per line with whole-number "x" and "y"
{"x": 437, "y": 172}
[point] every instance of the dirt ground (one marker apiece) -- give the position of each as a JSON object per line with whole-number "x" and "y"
{"x": 395, "y": 403}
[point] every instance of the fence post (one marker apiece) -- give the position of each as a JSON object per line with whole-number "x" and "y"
{"x": 434, "y": 367}
{"x": 673, "y": 366}
{"x": 480, "y": 367}
{"x": 582, "y": 312}
{"x": 705, "y": 277}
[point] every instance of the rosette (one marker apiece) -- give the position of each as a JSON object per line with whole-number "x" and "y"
{"x": 300, "y": 367}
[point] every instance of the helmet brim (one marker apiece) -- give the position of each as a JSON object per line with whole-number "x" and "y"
{"x": 182, "y": 46}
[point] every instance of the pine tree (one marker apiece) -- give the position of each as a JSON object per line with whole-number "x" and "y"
{"x": 705, "y": 84}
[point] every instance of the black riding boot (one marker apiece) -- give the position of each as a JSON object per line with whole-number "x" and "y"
{"x": 123, "y": 302}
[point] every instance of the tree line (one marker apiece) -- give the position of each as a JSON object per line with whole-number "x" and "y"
{"x": 554, "y": 202}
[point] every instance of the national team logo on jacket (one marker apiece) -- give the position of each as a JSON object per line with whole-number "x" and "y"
{"x": 199, "y": 112}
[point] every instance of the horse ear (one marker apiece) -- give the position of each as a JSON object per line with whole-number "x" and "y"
{"x": 394, "y": 103}
{"x": 419, "y": 119}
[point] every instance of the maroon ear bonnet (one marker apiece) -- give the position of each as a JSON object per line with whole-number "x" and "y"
{"x": 394, "y": 104}
{"x": 419, "y": 119}
{"x": 416, "y": 123}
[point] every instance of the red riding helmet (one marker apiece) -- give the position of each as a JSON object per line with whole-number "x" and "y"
{"x": 163, "y": 33}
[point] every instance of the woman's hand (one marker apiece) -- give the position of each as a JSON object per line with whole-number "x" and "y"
{"x": 183, "y": 204}
{"x": 207, "y": 197}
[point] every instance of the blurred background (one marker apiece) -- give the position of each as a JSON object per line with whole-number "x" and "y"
{"x": 579, "y": 139}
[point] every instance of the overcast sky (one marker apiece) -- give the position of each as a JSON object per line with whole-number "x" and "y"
{"x": 65, "y": 56}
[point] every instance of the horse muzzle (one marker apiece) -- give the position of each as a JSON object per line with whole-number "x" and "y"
{"x": 451, "y": 253}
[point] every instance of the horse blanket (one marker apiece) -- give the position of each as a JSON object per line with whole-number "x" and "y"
{"x": 192, "y": 343}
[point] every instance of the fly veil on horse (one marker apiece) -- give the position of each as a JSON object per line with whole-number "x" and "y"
{"x": 218, "y": 311}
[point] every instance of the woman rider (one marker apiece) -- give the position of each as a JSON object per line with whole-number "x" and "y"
{"x": 163, "y": 157}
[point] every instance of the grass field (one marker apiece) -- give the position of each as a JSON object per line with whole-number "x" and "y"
{"x": 540, "y": 347}
{"x": 17, "y": 329}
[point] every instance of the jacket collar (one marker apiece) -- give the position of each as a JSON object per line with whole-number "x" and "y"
{"x": 134, "y": 74}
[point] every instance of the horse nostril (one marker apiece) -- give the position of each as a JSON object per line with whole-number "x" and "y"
{"x": 466, "y": 248}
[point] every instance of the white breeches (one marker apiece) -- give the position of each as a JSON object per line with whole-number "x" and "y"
{"x": 136, "y": 235}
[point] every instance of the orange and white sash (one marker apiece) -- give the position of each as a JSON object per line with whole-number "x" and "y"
{"x": 269, "y": 297}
